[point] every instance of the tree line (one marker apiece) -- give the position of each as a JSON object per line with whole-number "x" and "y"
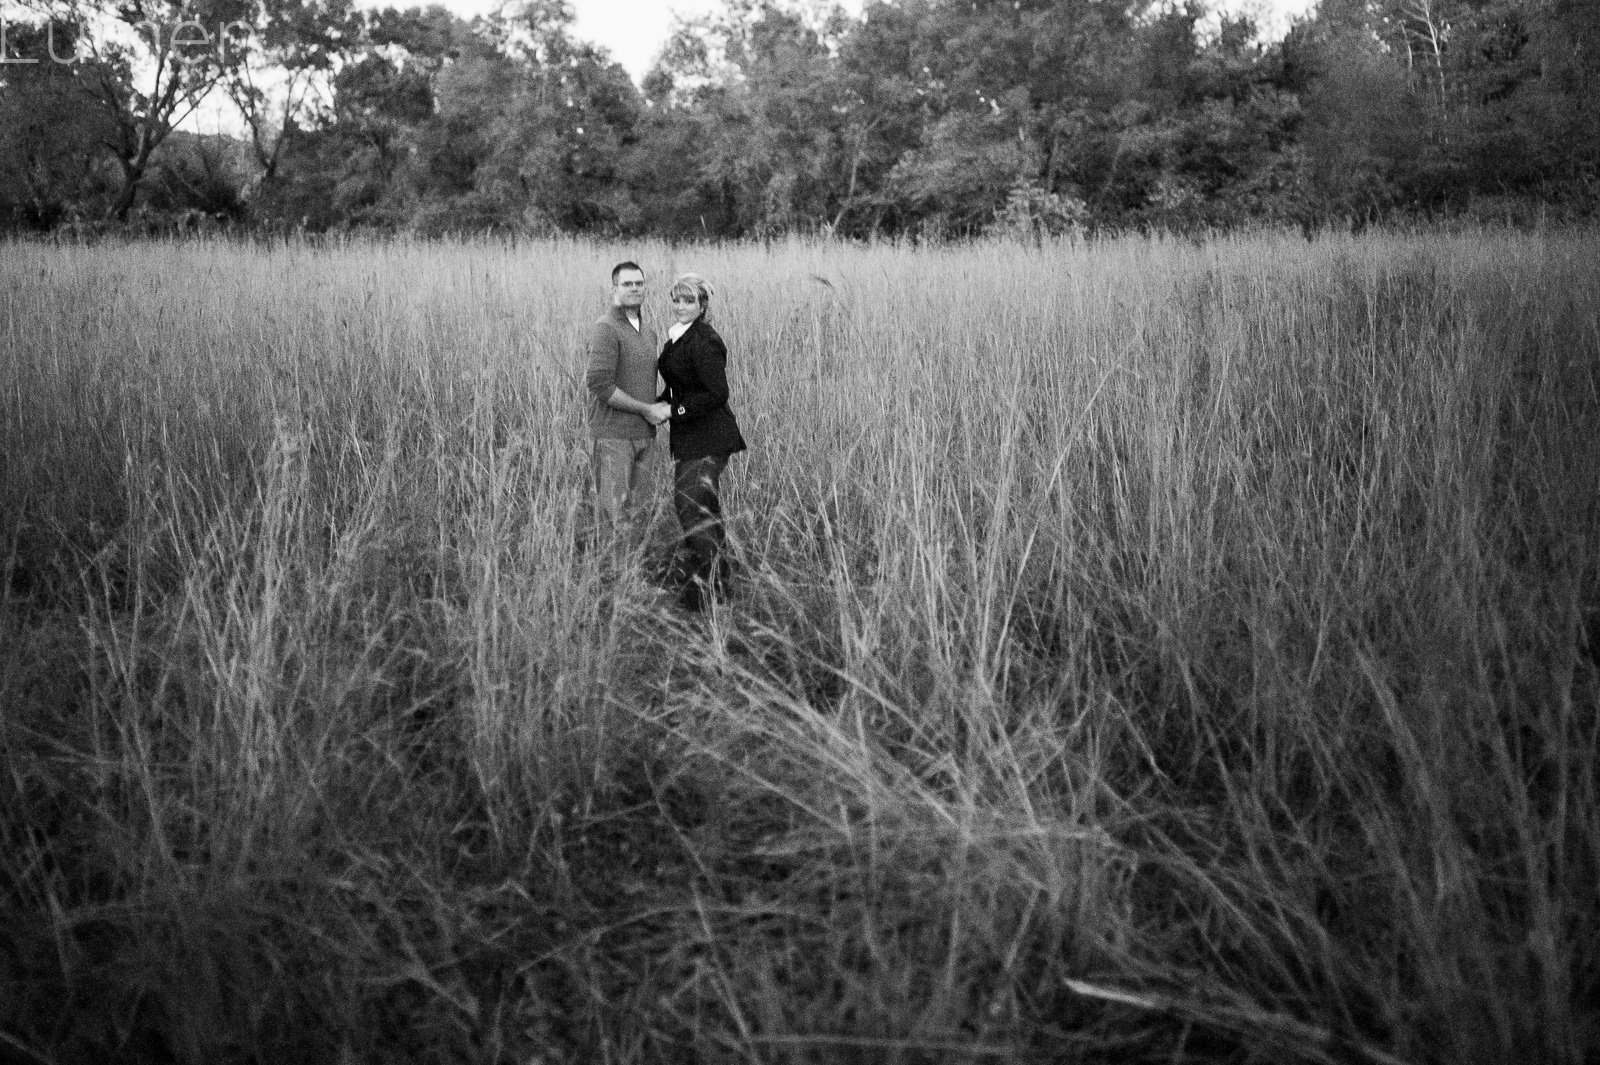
{"x": 928, "y": 118}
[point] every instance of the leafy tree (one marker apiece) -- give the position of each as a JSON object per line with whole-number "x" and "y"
{"x": 443, "y": 125}
{"x": 54, "y": 165}
{"x": 562, "y": 118}
{"x": 282, "y": 79}
{"x": 943, "y": 117}
{"x": 198, "y": 180}
{"x": 1528, "y": 119}
{"x": 1109, "y": 112}
{"x": 662, "y": 168}
{"x": 752, "y": 104}
{"x": 1206, "y": 129}
{"x": 361, "y": 164}
{"x": 1453, "y": 100}
{"x": 966, "y": 166}
{"x": 147, "y": 64}
{"x": 1361, "y": 120}
{"x": 975, "y": 100}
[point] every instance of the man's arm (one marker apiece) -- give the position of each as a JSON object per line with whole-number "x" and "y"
{"x": 620, "y": 400}
{"x": 605, "y": 350}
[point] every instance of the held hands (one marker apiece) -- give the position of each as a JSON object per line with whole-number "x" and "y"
{"x": 657, "y": 413}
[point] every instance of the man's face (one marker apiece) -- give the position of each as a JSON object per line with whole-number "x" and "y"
{"x": 627, "y": 291}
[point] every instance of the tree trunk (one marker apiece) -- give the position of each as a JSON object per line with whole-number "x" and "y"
{"x": 133, "y": 167}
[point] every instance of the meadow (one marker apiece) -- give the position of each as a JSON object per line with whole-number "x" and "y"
{"x": 1142, "y": 651}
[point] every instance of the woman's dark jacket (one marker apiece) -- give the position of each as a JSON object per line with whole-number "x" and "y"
{"x": 695, "y": 369}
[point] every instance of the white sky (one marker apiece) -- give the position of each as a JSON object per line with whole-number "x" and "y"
{"x": 633, "y": 31}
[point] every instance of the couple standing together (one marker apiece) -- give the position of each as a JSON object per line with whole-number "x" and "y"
{"x": 625, "y": 409}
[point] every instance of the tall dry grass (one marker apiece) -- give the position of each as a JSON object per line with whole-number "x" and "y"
{"x": 1142, "y": 651}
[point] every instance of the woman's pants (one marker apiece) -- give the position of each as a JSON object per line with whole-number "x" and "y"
{"x": 699, "y": 566}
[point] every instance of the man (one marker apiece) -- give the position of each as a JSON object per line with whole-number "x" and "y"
{"x": 623, "y": 414}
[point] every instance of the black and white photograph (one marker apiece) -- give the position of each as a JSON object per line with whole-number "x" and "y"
{"x": 795, "y": 532}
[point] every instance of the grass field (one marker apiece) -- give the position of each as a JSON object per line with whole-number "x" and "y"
{"x": 1144, "y": 652}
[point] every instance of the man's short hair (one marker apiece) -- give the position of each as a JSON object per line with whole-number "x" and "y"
{"x": 616, "y": 271}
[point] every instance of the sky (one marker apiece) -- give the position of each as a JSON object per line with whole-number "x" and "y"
{"x": 634, "y": 30}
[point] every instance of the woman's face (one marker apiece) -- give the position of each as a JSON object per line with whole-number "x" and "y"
{"x": 685, "y": 308}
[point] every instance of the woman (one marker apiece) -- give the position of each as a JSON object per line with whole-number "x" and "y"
{"x": 694, "y": 366}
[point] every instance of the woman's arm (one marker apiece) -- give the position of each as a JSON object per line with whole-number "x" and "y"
{"x": 710, "y": 359}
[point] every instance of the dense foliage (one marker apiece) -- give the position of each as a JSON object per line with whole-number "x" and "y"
{"x": 921, "y": 117}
